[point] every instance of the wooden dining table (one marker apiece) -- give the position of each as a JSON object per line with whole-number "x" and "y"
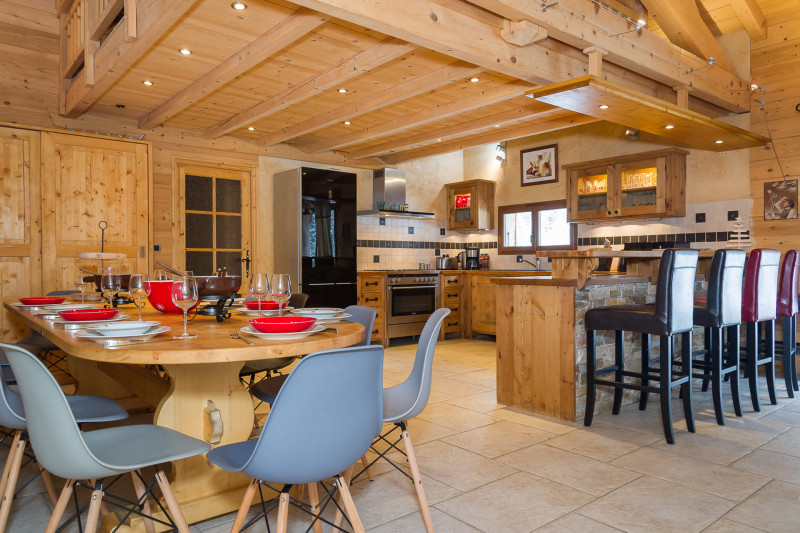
{"x": 193, "y": 385}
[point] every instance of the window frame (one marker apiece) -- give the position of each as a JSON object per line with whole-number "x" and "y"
{"x": 534, "y": 208}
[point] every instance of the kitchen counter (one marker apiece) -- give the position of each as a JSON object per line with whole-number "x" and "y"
{"x": 562, "y": 282}
{"x": 497, "y": 272}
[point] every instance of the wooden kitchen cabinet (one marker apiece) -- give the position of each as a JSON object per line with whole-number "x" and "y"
{"x": 372, "y": 293}
{"x": 644, "y": 185}
{"x": 470, "y": 205}
{"x": 483, "y": 294}
{"x": 450, "y": 293}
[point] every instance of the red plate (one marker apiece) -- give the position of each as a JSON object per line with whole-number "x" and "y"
{"x": 83, "y": 315}
{"x": 266, "y": 305}
{"x": 282, "y": 324}
{"x": 42, "y": 300}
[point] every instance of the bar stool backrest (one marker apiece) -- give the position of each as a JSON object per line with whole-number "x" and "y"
{"x": 324, "y": 417}
{"x": 675, "y": 289}
{"x": 725, "y": 286}
{"x": 759, "y": 296}
{"x": 787, "y": 287}
{"x": 365, "y": 316}
{"x": 54, "y": 434}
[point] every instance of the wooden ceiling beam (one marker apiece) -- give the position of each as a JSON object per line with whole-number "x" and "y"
{"x": 751, "y": 17}
{"x": 581, "y": 24}
{"x": 403, "y": 91}
{"x": 566, "y": 120}
{"x": 437, "y": 112}
{"x": 352, "y": 67}
{"x": 683, "y": 25}
{"x": 287, "y": 31}
{"x": 463, "y": 129}
{"x": 117, "y": 55}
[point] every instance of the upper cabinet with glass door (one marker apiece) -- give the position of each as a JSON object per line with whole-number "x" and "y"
{"x": 470, "y": 205}
{"x": 645, "y": 185}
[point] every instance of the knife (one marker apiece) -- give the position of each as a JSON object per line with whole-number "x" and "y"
{"x": 119, "y": 343}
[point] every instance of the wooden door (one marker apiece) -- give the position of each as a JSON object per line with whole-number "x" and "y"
{"x": 20, "y": 217}
{"x": 484, "y": 312}
{"x": 86, "y": 180}
{"x": 213, "y": 218}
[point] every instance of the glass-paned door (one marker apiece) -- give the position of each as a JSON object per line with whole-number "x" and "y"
{"x": 216, "y": 219}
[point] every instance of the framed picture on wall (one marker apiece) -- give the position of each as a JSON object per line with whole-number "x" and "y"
{"x": 780, "y": 200}
{"x": 539, "y": 165}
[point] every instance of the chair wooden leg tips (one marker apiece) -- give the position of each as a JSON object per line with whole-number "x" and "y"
{"x": 247, "y": 501}
{"x": 412, "y": 464}
{"x": 283, "y": 512}
{"x": 349, "y": 505}
{"x": 15, "y": 456}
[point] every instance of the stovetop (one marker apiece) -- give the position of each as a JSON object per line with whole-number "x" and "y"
{"x": 408, "y": 272}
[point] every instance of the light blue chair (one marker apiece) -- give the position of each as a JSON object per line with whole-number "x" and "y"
{"x": 36, "y": 343}
{"x": 405, "y": 401}
{"x": 323, "y": 420}
{"x": 62, "y": 449}
{"x": 267, "y": 389}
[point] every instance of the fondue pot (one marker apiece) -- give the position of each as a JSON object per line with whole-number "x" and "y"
{"x": 222, "y": 286}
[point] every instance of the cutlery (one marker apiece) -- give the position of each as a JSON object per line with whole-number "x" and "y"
{"x": 111, "y": 343}
{"x": 235, "y": 335}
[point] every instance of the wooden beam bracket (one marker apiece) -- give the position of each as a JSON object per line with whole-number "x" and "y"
{"x": 522, "y": 32}
{"x": 595, "y": 54}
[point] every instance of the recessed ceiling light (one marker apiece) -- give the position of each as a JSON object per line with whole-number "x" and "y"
{"x": 119, "y": 106}
{"x": 669, "y": 126}
{"x": 473, "y": 80}
{"x": 186, "y": 51}
{"x": 753, "y": 87}
{"x": 147, "y": 82}
{"x": 439, "y": 140}
{"x": 603, "y": 106}
{"x": 239, "y": 6}
{"x": 719, "y": 141}
{"x": 251, "y": 128}
{"x": 342, "y": 90}
{"x": 497, "y": 125}
{"x": 346, "y": 122}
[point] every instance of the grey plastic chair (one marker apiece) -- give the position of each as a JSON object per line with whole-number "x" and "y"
{"x": 12, "y": 416}
{"x": 37, "y": 343}
{"x": 63, "y": 450}
{"x": 405, "y": 401}
{"x": 322, "y": 421}
{"x": 267, "y": 389}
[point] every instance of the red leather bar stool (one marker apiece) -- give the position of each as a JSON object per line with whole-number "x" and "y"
{"x": 759, "y": 307}
{"x": 787, "y": 310}
{"x": 671, "y": 315}
{"x": 722, "y": 311}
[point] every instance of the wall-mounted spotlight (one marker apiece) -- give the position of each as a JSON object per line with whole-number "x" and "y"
{"x": 500, "y": 152}
{"x": 633, "y": 135}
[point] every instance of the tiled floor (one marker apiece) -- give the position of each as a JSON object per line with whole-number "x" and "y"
{"x": 489, "y": 468}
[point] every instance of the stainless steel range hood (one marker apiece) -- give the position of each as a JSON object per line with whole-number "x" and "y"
{"x": 389, "y": 190}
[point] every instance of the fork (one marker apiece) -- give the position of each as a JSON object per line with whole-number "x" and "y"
{"x": 235, "y": 335}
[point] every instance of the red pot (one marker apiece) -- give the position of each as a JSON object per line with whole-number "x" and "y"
{"x": 282, "y": 324}
{"x": 161, "y": 297}
{"x": 44, "y": 300}
{"x": 81, "y": 315}
{"x": 266, "y": 305}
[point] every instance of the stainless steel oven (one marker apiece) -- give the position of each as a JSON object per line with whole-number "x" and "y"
{"x": 413, "y": 297}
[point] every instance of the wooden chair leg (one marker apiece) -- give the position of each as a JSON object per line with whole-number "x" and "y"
{"x": 412, "y": 463}
{"x": 313, "y": 499}
{"x": 348, "y": 475}
{"x": 61, "y": 505}
{"x": 365, "y": 463}
{"x": 9, "y": 460}
{"x": 283, "y": 513}
{"x": 93, "y": 516}
{"x": 172, "y": 503}
{"x": 301, "y": 492}
{"x": 247, "y": 501}
{"x": 140, "y": 489}
{"x": 349, "y": 506}
{"x": 15, "y": 457}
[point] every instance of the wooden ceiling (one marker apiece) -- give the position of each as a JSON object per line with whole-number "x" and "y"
{"x": 272, "y": 73}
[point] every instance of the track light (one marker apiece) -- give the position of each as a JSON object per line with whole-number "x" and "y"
{"x": 633, "y": 135}
{"x": 500, "y": 153}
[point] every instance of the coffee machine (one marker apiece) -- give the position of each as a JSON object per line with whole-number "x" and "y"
{"x": 472, "y": 258}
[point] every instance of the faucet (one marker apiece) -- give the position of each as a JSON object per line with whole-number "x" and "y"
{"x": 534, "y": 265}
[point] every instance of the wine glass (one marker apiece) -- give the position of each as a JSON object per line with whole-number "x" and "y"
{"x": 281, "y": 290}
{"x": 110, "y": 281}
{"x": 82, "y": 284}
{"x": 259, "y": 287}
{"x": 160, "y": 275}
{"x": 139, "y": 289}
{"x": 184, "y": 295}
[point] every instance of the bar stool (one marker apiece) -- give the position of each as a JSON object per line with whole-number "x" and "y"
{"x": 672, "y": 314}
{"x": 759, "y": 306}
{"x": 787, "y": 310}
{"x": 723, "y": 310}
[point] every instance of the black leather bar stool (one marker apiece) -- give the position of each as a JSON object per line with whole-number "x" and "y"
{"x": 759, "y": 307}
{"x": 671, "y": 315}
{"x": 788, "y": 308}
{"x": 723, "y": 310}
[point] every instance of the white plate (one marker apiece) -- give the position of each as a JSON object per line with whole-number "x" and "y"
{"x": 264, "y": 312}
{"x": 97, "y": 337}
{"x": 318, "y": 312}
{"x": 334, "y": 319}
{"x": 133, "y": 327}
{"x": 283, "y": 336}
{"x": 80, "y": 322}
{"x": 69, "y": 307}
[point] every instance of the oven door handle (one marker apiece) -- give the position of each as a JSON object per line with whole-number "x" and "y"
{"x": 414, "y": 287}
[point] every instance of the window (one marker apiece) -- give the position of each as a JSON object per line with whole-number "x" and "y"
{"x": 525, "y": 228}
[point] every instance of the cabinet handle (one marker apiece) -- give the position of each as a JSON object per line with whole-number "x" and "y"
{"x": 454, "y": 309}
{"x": 368, "y": 283}
{"x": 374, "y": 331}
{"x": 452, "y": 323}
{"x": 371, "y": 299}
{"x": 452, "y": 281}
{"x": 452, "y": 295}
{"x": 609, "y": 213}
{"x": 616, "y": 211}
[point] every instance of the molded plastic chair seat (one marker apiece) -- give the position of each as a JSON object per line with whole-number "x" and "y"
{"x": 267, "y": 389}
{"x": 233, "y": 457}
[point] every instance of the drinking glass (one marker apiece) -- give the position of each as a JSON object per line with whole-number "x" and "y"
{"x": 160, "y": 275}
{"x": 110, "y": 281}
{"x": 82, "y": 284}
{"x": 184, "y": 295}
{"x": 259, "y": 287}
{"x": 281, "y": 290}
{"x": 139, "y": 289}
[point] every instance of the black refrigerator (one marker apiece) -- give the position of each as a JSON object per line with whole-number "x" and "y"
{"x": 314, "y": 212}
